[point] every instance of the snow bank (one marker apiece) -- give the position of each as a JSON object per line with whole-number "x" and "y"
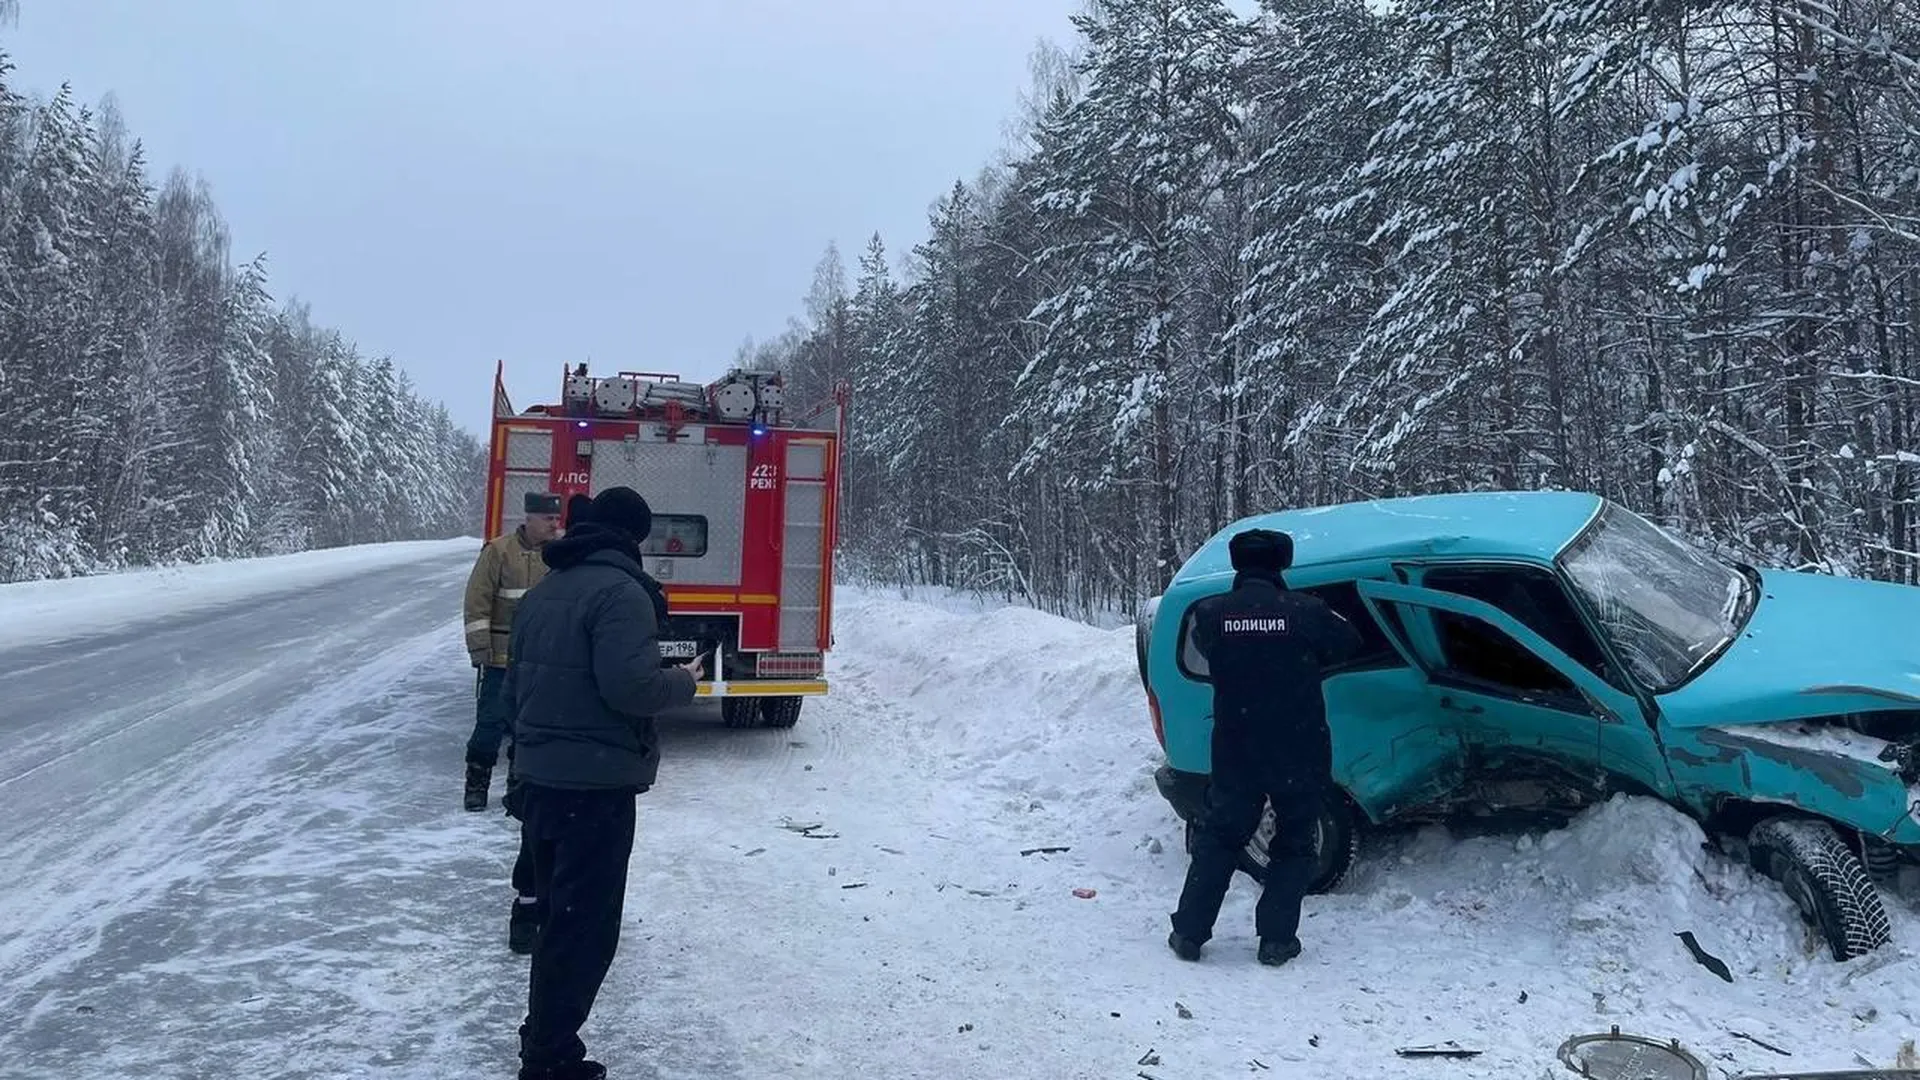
{"x": 965, "y": 601}
{"x": 42, "y": 612}
{"x": 1038, "y": 707}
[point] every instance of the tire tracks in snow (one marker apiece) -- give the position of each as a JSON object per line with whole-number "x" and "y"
{"x": 124, "y": 848}
{"x": 340, "y": 915}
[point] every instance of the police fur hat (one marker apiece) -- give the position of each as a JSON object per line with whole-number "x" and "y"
{"x": 622, "y": 508}
{"x": 1261, "y": 549}
{"x": 541, "y": 502}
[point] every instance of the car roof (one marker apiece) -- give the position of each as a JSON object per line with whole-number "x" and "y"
{"x": 1533, "y": 525}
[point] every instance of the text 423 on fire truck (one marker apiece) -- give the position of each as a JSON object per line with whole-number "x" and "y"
{"x": 745, "y": 515}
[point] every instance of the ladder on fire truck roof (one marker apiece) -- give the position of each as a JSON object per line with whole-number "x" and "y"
{"x": 739, "y": 396}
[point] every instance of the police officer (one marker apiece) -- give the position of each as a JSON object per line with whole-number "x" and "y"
{"x": 1266, "y": 647}
{"x": 508, "y": 566}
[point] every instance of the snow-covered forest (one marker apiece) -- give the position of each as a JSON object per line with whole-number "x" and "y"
{"x": 156, "y": 404}
{"x": 1666, "y": 252}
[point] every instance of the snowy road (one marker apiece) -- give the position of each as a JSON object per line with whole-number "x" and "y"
{"x": 233, "y": 846}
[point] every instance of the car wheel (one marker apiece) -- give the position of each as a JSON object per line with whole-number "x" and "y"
{"x": 1336, "y": 845}
{"x": 738, "y": 712}
{"x": 1825, "y": 880}
{"x": 781, "y": 712}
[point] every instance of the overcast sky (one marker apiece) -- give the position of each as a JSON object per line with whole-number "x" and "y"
{"x": 644, "y": 183}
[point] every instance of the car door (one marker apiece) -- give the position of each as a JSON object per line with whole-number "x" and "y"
{"x": 1510, "y": 690}
{"x": 1389, "y": 753}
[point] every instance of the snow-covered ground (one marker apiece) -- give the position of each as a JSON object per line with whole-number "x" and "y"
{"x": 301, "y": 896}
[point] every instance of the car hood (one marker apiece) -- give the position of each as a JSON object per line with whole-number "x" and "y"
{"x": 1816, "y": 645}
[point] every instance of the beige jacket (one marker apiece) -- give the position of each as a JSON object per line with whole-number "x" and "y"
{"x": 508, "y": 566}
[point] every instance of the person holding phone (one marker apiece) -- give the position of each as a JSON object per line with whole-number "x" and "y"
{"x": 584, "y": 685}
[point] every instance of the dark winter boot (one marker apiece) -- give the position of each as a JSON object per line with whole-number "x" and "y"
{"x": 523, "y": 926}
{"x": 1184, "y": 948}
{"x": 478, "y": 777}
{"x": 1273, "y": 953}
{"x": 587, "y": 1069}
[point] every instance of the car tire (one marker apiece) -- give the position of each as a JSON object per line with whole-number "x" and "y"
{"x": 1825, "y": 880}
{"x": 781, "y": 712}
{"x": 1337, "y": 844}
{"x": 740, "y": 712}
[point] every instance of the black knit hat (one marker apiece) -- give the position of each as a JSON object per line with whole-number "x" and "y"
{"x": 579, "y": 509}
{"x": 622, "y": 508}
{"x": 1261, "y": 549}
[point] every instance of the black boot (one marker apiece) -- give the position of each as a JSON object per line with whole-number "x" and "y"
{"x": 1274, "y": 952}
{"x": 523, "y": 926}
{"x": 1184, "y": 948}
{"x": 478, "y": 777}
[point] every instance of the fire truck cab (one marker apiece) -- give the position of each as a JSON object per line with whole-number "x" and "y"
{"x": 744, "y": 499}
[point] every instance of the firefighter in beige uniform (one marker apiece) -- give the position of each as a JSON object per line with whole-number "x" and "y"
{"x": 508, "y": 566}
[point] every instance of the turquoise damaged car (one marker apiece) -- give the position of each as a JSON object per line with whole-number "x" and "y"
{"x": 1535, "y": 653}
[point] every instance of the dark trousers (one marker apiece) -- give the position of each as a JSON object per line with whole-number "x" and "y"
{"x": 523, "y": 864}
{"x": 579, "y": 844}
{"x": 490, "y": 718}
{"x": 1231, "y": 817}
{"x": 512, "y": 800}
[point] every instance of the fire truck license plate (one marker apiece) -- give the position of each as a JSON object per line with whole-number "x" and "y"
{"x": 679, "y": 650}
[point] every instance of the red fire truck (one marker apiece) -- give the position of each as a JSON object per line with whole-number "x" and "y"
{"x": 744, "y": 498}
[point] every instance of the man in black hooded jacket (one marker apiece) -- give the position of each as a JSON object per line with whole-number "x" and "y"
{"x": 1266, "y": 648}
{"x": 584, "y": 685}
{"x": 523, "y": 925}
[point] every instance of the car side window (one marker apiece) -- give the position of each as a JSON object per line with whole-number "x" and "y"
{"x": 1193, "y": 662}
{"x": 1483, "y": 653}
{"x": 1375, "y": 650}
{"x": 1532, "y": 597}
{"x": 1344, "y": 598}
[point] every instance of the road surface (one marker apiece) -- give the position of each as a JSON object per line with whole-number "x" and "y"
{"x": 203, "y": 825}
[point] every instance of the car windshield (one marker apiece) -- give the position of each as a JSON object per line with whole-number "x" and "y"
{"x": 1666, "y": 605}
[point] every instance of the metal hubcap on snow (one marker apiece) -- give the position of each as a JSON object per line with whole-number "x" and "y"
{"x": 1614, "y": 1056}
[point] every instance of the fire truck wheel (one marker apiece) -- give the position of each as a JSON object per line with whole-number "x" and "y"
{"x": 738, "y": 712}
{"x": 781, "y": 712}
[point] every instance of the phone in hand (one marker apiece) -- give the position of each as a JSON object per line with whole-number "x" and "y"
{"x": 697, "y": 667}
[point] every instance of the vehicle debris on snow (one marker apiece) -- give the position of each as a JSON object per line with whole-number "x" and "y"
{"x": 1704, "y": 958}
{"x": 1448, "y": 1049}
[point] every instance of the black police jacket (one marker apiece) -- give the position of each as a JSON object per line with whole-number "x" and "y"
{"x": 1267, "y": 649}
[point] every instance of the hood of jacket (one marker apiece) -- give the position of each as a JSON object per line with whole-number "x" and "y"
{"x": 586, "y": 540}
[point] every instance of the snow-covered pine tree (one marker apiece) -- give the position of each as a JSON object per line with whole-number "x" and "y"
{"x": 46, "y": 332}
{"x": 871, "y": 514}
{"x": 822, "y": 360}
{"x": 125, "y": 403}
{"x": 1309, "y": 282}
{"x": 1136, "y": 165}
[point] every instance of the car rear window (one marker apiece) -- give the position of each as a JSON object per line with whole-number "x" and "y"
{"x": 1344, "y": 598}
